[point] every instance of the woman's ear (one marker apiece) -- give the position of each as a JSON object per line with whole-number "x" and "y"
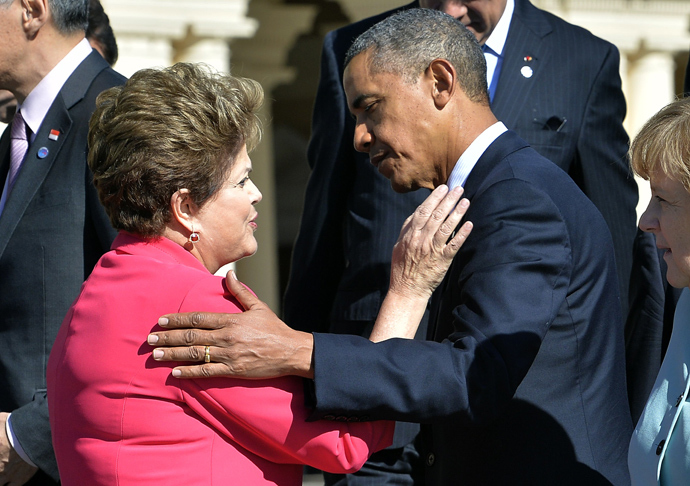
{"x": 183, "y": 209}
{"x": 444, "y": 78}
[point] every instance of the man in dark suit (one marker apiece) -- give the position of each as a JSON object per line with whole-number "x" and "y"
{"x": 523, "y": 379}
{"x": 52, "y": 227}
{"x": 557, "y": 86}
{"x": 341, "y": 260}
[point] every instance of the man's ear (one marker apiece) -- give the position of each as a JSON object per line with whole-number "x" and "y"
{"x": 444, "y": 79}
{"x": 34, "y": 16}
{"x": 183, "y": 209}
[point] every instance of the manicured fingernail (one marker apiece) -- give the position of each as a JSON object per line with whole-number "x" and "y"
{"x": 233, "y": 274}
{"x": 464, "y": 203}
{"x": 152, "y": 339}
{"x": 163, "y": 321}
{"x": 157, "y": 353}
{"x": 176, "y": 373}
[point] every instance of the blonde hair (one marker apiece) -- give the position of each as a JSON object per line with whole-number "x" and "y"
{"x": 664, "y": 144}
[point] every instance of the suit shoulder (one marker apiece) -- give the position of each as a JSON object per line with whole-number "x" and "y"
{"x": 341, "y": 39}
{"x": 107, "y": 79}
{"x": 104, "y": 80}
{"x": 563, "y": 28}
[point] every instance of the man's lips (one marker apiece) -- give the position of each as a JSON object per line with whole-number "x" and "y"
{"x": 376, "y": 159}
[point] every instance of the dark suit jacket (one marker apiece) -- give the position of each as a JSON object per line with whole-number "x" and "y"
{"x": 352, "y": 218}
{"x": 52, "y": 232}
{"x": 576, "y": 84}
{"x": 649, "y": 322}
{"x": 526, "y": 382}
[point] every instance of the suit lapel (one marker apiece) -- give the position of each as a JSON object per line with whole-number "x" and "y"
{"x": 44, "y": 151}
{"x": 35, "y": 168}
{"x": 524, "y": 54}
{"x": 503, "y": 146}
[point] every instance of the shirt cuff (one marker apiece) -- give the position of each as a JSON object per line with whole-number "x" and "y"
{"x": 14, "y": 442}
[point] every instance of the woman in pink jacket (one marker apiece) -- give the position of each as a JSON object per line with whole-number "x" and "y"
{"x": 169, "y": 155}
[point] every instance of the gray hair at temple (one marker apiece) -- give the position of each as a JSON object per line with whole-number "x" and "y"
{"x": 69, "y": 16}
{"x": 406, "y": 43}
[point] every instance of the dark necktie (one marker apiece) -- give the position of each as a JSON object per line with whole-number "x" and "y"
{"x": 19, "y": 144}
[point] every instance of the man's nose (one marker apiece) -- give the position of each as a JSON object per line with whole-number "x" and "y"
{"x": 456, "y": 9}
{"x": 363, "y": 138}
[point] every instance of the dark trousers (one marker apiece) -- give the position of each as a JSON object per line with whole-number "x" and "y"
{"x": 398, "y": 464}
{"x": 391, "y": 466}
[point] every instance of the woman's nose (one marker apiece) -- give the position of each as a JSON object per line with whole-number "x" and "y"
{"x": 649, "y": 221}
{"x": 254, "y": 192}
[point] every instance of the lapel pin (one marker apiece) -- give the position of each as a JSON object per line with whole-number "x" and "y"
{"x": 528, "y": 58}
{"x": 54, "y": 134}
{"x": 42, "y": 153}
{"x": 526, "y": 71}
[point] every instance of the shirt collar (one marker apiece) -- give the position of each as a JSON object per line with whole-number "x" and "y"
{"x": 497, "y": 40}
{"x": 469, "y": 158}
{"x": 37, "y": 104}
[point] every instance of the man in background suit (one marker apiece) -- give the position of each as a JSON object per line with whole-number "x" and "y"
{"x": 101, "y": 37}
{"x": 555, "y": 84}
{"x": 52, "y": 227}
{"x": 523, "y": 379}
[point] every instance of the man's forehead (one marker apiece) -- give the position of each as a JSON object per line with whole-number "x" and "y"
{"x": 356, "y": 72}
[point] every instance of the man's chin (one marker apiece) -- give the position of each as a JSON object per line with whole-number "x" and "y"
{"x": 403, "y": 188}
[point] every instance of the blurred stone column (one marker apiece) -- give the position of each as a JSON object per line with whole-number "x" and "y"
{"x": 158, "y": 33}
{"x": 264, "y": 58}
{"x": 651, "y": 83}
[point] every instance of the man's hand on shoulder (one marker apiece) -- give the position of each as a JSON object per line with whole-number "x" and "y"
{"x": 14, "y": 471}
{"x": 252, "y": 344}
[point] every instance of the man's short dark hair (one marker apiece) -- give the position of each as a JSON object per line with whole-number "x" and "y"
{"x": 406, "y": 43}
{"x": 70, "y": 15}
{"x": 100, "y": 32}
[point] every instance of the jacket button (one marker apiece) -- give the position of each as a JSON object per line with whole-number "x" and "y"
{"x": 660, "y": 447}
{"x": 680, "y": 399}
{"x": 430, "y": 459}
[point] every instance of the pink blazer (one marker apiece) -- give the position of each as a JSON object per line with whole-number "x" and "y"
{"x": 119, "y": 418}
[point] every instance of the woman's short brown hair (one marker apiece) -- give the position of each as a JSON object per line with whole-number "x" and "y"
{"x": 664, "y": 143}
{"x": 165, "y": 130}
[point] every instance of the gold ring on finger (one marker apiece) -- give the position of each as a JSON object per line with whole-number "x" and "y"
{"x": 207, "y": 354}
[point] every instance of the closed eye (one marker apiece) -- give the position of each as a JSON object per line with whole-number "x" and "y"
{"x": 661, "y": 200}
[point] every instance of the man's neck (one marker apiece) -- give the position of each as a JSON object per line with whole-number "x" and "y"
{"x": 474, "y": 120}
{"x": 49, "y": 49}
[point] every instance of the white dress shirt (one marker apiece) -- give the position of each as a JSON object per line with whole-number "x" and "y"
{"x": 469, "y": 158}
